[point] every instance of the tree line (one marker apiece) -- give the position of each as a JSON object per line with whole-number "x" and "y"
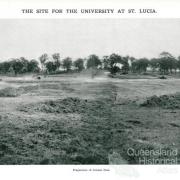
{"x": 166, "y": 63}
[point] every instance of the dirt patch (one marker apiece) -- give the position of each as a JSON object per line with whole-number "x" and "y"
{"x": 164, "y": 101}
{"x": 86, "y": 140}
{"x": 67, "y": 105}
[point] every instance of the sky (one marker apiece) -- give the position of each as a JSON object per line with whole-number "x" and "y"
{"x": 81, "y": 37}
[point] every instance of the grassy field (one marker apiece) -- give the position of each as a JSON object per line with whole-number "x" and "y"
{"x": 77, "y": 120}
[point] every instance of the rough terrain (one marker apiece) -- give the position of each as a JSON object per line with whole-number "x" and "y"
{"x": 76, "y": 120}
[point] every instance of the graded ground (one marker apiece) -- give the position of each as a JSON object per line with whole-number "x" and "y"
{"x": 79, "y": 120}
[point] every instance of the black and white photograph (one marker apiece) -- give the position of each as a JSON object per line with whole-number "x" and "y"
{"x": 90, "y": 91}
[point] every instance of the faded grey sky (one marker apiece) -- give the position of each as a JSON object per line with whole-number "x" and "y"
{"x": 82, "y": 37}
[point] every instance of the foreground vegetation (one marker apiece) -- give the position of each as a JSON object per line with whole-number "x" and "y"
{"x": 77, "y": 120}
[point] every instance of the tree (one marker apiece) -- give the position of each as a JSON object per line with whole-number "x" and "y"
{"x": 56, "y": 57}
{"x": 166, "y": 55}
{"x": 67, "y": 63}
{"x": 51, "y": 66}
{"x": 17, "y": 65}
{"x": 114, "y": 60}
{"x": 131, "y": 60}
{"x": 143, "y": 64}
{"x": 43, "y": 58}
{"x": 4, "y": 67}
{"x": 105, "y": 62}
{"x": 140, "y": 65}
{"x": 167, "y": 62}
{"x": 125, "y": 67}
{"x": 79, "y": 64}
{"x": 33, "y": 66}
{"x": 174, "y": 64}
{"x": 163, "y": 65}
{"x": 93, "y": 61}
{"x": 25, "y": 63}
{"x": 11, "y": 70}
{"x": 154, "y": 63}
{"x": 178, "y": 63}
